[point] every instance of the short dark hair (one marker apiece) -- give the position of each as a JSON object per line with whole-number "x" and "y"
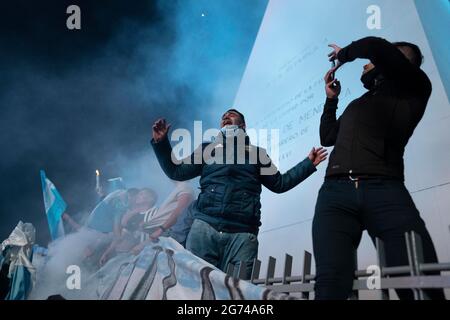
{"x": 417, "y": 57}
{"x": 240, "y": 114}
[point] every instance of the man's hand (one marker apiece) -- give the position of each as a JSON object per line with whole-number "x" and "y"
{"x": 160, "y": 130}
{"x": 138, "y": 248}
{"x": 156, "y": 234}
{"x": 332, "y": 85}
{"x": 333, "y": 57}
{"x": 333, "y": 54}
{"x": 317, "y": 155}
{"x": 104, "y": 259}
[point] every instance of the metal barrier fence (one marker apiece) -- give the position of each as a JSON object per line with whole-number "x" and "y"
{"x": 412, "y": 276}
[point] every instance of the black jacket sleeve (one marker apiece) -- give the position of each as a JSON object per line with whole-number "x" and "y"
{"x": 179, "y": 170}
{"x": 390, "y": 61}
{"x": 276, "y": 182}
{"x": 329, "y": 126}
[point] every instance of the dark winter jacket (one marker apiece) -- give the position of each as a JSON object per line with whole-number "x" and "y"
{"x": 371, "y": 135}
{"x": 230, "y": 193}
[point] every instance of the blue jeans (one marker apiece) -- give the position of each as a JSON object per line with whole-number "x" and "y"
{"x": 221, "y": 248}
{"x": 343, "y": 211}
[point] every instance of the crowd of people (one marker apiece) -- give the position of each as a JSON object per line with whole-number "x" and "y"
{"x": 363, "y": 188}
{"x": 126, "y": 219}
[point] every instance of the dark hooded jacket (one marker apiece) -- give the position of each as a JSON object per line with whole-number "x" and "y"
{"x": 370, "y": 137}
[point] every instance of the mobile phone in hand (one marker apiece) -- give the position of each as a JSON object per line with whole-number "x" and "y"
{"x": 333, "y": 65}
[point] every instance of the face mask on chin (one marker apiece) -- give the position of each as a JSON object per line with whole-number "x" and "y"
{"x": 230, "y": 130}
{"x": 368, "y": 79}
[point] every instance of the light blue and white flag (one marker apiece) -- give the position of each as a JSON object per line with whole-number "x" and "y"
{"x": 54, "y": 207}
{"x": 19, "y": 250}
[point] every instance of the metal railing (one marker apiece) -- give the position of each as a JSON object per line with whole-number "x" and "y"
{"x": 412, "y": 276}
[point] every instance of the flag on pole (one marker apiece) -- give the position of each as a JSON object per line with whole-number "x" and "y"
{"x": 54, "y": 207}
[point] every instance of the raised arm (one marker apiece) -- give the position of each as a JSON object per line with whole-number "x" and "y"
{"x": 388, "y": 59}
{"x": 329, "y": 125}
{"x": 180, "y": 170}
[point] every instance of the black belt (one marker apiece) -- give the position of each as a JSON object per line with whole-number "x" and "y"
{"x": 357, "y": 177}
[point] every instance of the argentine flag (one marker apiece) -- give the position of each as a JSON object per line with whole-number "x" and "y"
{"x": 54, "y": 207}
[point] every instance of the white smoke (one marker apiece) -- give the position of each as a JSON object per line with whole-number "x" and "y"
{"x": 52, "y": 270}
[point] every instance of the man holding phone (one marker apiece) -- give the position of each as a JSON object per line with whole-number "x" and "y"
{"x": 364, "y": 184}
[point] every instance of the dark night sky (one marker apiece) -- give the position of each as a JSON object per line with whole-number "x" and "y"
{"x": 74, "y": 101}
